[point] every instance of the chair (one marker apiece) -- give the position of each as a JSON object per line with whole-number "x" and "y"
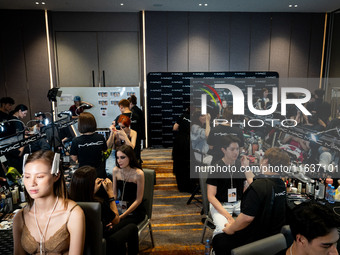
{"x": 94, "y": 240}
{"x": 150, "y": 177}
{"x": 285, "y": 230}
{"x": 269, "y": 246}
{"x": 208, "y": 221}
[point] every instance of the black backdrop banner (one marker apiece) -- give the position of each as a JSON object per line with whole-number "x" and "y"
{"x": 169, "y": 93}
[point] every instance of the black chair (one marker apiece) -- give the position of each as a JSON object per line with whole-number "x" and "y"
{"x": 208, "y": 221}
{"x": 94, "y": 241}
{"x": 150, "y": 177}
{"x": 268, "y": 246}
{"x": 285, "y": 230}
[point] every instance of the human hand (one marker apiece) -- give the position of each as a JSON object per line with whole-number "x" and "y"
{"x": 107, "y": 184}
{"x": 230, "y": 219}
{"x": 227, "y": 229}
{"x": 244, "y": 161}
{"x": 97, "y": 184}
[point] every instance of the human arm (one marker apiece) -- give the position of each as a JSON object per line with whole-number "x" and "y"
{"x": 76, "y": 228}
{"x": 248, "y": 174}
{"x": 18, "y": 225}
{"x": 107, "y": 184}
{"x": 114, "y": 180}
{"x": 74, "y": 150}
{"x": 241, "y": 222}
{"x": 123, "y": 136}
{"x": 207, "y": 125}
{"x": 211, "y": 192}
{"x": 139, "y": 195}
{"x": 110, "y": 140}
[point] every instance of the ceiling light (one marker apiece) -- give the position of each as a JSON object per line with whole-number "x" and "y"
{"x": 290, "y": 6}
{"x": 200, "y": 4}
{"x": 205, "y": 4}
{"x": 42, "y": 2}
{"x": 36, "y": 2}
{"x": 121, "y": 4}
{"x": 295, "y": 5}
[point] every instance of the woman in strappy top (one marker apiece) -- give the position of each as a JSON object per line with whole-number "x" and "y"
{"x": 50, "y": 223}
{"x": 128, "y": 187}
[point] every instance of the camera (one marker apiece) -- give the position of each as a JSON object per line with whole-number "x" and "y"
{"x": 118, "y": 127}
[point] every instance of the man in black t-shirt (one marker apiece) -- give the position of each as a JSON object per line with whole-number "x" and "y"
{"x": 262, "y": 207}
{"x": 225, "y": 188}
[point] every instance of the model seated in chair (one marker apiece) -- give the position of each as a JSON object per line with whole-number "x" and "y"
{"x": 128, "y": 186}
{"x": 50, "y": 223}
{"x": 85, "y": 187}
{"x": 315, "y": 230}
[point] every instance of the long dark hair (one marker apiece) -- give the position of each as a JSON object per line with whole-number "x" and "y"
{"x": 19, "y": 107}
{"x": 82, "y": 184}
{"x": 129, "y": 152}
{"x": 59, "y": 187}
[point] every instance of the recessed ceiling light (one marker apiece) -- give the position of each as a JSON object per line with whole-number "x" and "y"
{"x": 205, "y": 4}
{"x": 36, "y": 2}
{"x": 295, "y": 5}
{"x": 290, "y": 6}
{"x": 121, "y": 4}
{"x": 200, "y": 4}
{"x": 42, "y": 2}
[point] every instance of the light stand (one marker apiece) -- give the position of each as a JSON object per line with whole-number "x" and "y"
{"x": 314, "y": 136}
{"x": 52, "y": 97}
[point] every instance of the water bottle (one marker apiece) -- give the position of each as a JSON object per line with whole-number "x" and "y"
{"x": 328, "y": 188}
{"x": 207, "y": 247}
{"x": 331, "y": 195}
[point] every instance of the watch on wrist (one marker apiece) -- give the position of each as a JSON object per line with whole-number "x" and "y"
{"x": 111, "y": 199}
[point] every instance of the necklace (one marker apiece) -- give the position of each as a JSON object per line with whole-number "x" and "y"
{"x": 124, "y": 182}
{"x": 42, "y": 235}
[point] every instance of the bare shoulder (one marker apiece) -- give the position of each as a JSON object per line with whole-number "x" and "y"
{"x": 76, "y": 210}
{"x": 18, "y": 217}
{"x": 115, "y": 170}
{"x": 139, "y": 173}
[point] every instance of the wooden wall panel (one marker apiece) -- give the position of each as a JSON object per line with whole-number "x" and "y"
{"x": 239, "y": 41}
{"x": 260, "y": 41}
{"x": 219, "y": 42}
{"x": 178, "y": 42}
{"x": 199, "y": 42}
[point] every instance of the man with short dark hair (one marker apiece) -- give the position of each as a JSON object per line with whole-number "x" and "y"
{"x": 263, "y": 206}
{"x": 315, "y": 230}
{"x": 6, "y": 105}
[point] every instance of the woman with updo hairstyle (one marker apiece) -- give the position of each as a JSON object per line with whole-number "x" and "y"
{"x": 88, "y": 149}
{"x": 86, "y": 187}
{"x": 50, "y": 223}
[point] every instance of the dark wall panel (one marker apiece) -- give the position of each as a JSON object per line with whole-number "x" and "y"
{"x": 178, "y": 42}
{"x": 239, "y": 41}
{"x": 199, "y": 41}
{"x": 35, "y": 46}
{"x": 316, "y": 41}
{"x": 300, "y": 45}
{"x": 280, "y": 43}
{"x": 156, "y": 42}
{"x": 94, "y": 21}
{"x": 219, "y": 42}
{"x": 14, "y": 58}
{"x": 260, "y": 41}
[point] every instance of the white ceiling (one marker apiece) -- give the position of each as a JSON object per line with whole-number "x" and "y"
{"x": 175, "y": 5}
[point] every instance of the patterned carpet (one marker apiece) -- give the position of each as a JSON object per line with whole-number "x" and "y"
{"x": 177, "y": 227}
